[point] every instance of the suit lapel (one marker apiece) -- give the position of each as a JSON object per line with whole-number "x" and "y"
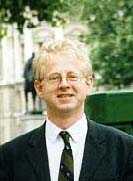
{"x": 93, "y": 153}
{"x": 37, "y": 155}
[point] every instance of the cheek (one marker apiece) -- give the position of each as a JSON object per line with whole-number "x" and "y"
{"x": 48, "y": 93}
{"x": 83, "y": 88}
{"x": 84, "y": 91}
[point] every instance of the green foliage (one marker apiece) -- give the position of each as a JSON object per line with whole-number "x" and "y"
{"x": 110, "y": 35}
{"x": 110, "y": 25}
{"x": 57, "y": 12}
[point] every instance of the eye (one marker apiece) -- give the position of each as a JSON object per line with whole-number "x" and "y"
{"x": 72, "y": 77}
{"x": 54, "y": 78}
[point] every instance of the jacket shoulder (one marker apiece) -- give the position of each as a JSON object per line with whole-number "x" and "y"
{"x": 110, "y": 133}
{"x": 19, "y": 144}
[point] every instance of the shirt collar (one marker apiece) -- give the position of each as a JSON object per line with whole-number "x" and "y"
{"x": 77, "y": 131}
{"x": 52, "y": 131}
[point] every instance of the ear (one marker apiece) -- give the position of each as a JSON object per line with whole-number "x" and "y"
{"x": 39, "y": 87}
{"x": 89, "y": 83}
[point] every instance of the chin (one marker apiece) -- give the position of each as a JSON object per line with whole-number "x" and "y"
{"x": 66, "y": 109}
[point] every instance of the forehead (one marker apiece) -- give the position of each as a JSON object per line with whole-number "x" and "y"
{"x": 63, "y": 63}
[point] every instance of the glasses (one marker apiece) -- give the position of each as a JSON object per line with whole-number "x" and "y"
{"x": 56, "y": 78}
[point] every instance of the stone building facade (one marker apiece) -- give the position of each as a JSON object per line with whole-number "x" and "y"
{"x": 15, "y": 50}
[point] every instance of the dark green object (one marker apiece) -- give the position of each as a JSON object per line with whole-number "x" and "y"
{"x": 112, "y": 108}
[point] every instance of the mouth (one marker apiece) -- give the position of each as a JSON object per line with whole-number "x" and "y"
{"x": 65, "y": 95}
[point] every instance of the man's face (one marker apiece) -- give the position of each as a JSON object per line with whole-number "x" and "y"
{"x": 64, "y": 88}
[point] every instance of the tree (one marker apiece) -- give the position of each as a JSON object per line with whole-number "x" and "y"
{"x": 110, "y": 25}
{"x": 54, "y": 11}
{"x": 110, "y": 35}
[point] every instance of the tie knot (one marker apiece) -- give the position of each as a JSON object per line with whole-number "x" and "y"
{"x": 65, "y": 136}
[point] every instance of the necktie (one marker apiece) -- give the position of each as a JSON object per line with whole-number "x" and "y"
{"x": 66, "y": 172}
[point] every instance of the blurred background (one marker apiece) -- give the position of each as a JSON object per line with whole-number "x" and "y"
{"x": 105, "y": 25}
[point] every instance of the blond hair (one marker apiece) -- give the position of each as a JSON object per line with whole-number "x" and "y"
{"x": 52, "y": 47}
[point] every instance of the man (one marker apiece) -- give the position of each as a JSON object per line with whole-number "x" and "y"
{"x": 68, "y": 146}
{"x": 29, "y": 83}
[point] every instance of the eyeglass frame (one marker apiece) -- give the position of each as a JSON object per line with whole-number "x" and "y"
{"x": 57, "y": 78}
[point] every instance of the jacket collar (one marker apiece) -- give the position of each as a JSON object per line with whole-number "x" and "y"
{"x": 37, "y": 154}
{"x": 94, "y": 151}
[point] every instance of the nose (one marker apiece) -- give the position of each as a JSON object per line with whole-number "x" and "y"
{"x": 64, "y": 83}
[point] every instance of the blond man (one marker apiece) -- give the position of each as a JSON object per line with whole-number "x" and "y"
{"x": 69, "y": 146}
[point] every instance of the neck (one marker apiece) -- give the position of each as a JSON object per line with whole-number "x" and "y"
{"x": 64, "y": 120}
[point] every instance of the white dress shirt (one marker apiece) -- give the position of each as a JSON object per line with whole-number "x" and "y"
{"x": 55, "y": 146}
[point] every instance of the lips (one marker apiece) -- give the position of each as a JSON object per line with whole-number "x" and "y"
{"x": 64, "y": 95}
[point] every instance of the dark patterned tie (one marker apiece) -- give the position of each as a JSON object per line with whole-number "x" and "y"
{"x": 66, "y": 172}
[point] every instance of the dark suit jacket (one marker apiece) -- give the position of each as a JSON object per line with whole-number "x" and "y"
{"x": 108, "y": 156}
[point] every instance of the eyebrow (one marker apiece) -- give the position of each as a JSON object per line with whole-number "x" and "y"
{"x": 54, "y": 73}
{"x": 70, "y": 72}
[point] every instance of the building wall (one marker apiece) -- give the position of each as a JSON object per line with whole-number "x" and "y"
{"x": 15, "y": 49}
